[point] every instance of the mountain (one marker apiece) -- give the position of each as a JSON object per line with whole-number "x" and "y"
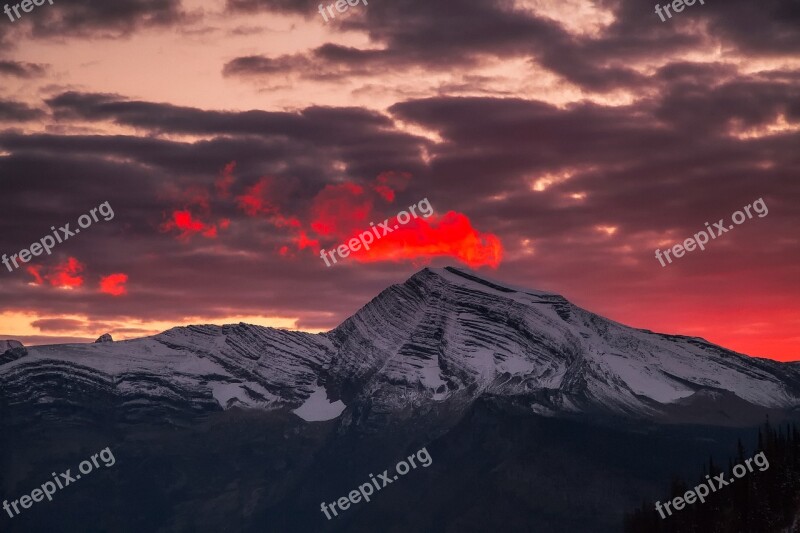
{"x": 443, "y": 336}
{"x": 535, "y": 411}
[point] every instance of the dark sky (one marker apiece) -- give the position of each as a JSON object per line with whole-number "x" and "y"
{"x": 559, "y": 144}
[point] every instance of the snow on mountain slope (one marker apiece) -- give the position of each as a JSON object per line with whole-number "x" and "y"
{"x": 443, "y": 336}
{"x": 195, "y": 368}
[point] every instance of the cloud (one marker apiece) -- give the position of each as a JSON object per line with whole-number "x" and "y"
{"x": 617, "y": 54}
{"x": 35, "y": 271}
{"x": 224, "y": 183}
{"x": 11, "y": 111}
{"x": 311, "y": 124}
{"x": 187, "y": 225}
{"x": 340, "y": 209}
{"x": 433, "y": 40}
{"x": 387, "y": 183}
{"x": 283, "y": 6}
{"x": 451, "y": 235}
{"x": 196, "y": 201}
{"x": 86, "y": 18}
{"x": 257, "y": 198}
{"x": 58, "y": 324}
{"x": 20, "y": 69}
{"x": 114, "y": 284}
{"x": 768, "y": 27}
{"x": 66, "y": 275}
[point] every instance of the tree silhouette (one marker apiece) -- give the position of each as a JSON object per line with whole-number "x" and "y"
{"x": 765, "y": 501}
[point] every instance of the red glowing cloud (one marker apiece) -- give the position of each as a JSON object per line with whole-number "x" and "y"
{"x": 340, "y": 209}
{"x": 188, "y": 225}
{"x": 35, "y": 271}
{"x": 451, "y": 235}
{"x": 67, "y": 274}
{"x": 224, "y": 183}
{"x": 303, "y": 241}
{"x": 197, "y": 196}
{"x": 196, "y": 199}
{"x": 114, "y": 284}
{"x": 388, "y": 182}
{"x": 257, "y": 199}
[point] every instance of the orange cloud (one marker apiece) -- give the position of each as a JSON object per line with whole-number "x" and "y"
{"x": 114, "y": 284}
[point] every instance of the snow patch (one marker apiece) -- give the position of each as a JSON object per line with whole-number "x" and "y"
{"x": 225, "y": 392}
{"x": 318, "y": 408}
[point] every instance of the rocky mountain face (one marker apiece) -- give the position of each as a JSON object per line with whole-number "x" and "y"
{"x": 539, "y": 416}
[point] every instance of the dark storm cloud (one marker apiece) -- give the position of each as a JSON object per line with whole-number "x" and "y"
{"x": 87, "y": 18}
{"x": 425, "y": 34}
{"x": 280, "y": 6}
{"x": 464, "y": 32}
{"x": 753, "y": 102}
{"x": 434, "y": 35}
{"x": 11, "y": 111}
{"x": 767, "y": 27}
{"x": 313, "y": 124}
{"x": 21, "y": 69}
{"x": 57, "y": 324}
{"x": 364, "y": 139}
{"x": 259, "y": 65}
{"x": 693, "y": 72}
